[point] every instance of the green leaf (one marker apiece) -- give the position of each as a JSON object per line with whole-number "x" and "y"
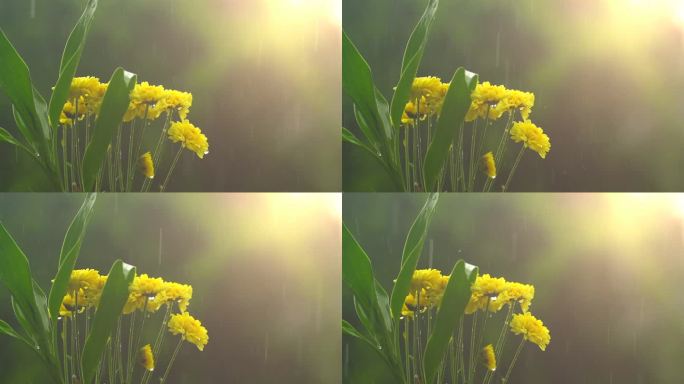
{"x": 413, "y": 54}
{"x": 15, "y": 274}
{"x": 9, "y": 331}
{"x": 357, "y": 82}
{"x": 68, "y": 255}
{"x": 347, "y": 136}
{"x": 413, "y": 247}
{"x": 15, "y": 81}
{"x": 114, "y": 296}
{"x": 8, "y": 138}
{"x": 452, "y": 307}
{"x": 114, "y": 106}
{"x": 70, "y": 59}
{"x": 456, "y": 105}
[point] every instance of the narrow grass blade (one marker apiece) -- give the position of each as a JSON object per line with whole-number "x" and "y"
{"x": 456, "y": 105}
{"x": 114, "y": 296}
{"x": 413, "y": 247}
{"x": 69, "y": 63}
{"x": 68, "y": 255}
{"x": 114, "y": 106}
{"x": 413, "y": 55}
{"x": 454, "y": 301}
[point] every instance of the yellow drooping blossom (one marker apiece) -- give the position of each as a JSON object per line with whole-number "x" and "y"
{"x": 517, "y": 100}
{"x": 531, "y": 136}
{"x": 84, "y": 86}
{"x": 172, "y": 293}
{"x": 517, "y": 293}
{"x": 83, "y": 279}
{"x": 68, "y": 306}
{"x": 68, "y": 114}
{"x": 409, "y": 115}
{"x": 146, "y": 165}
{"x": 486, "y": 97}
{"x": 426, "y": 86}
{"x": 425, "y": 279}
{"x": 426, "y": 99}
{"x": 142, "y": 292}
{"x": 173, "y": 100}
{"x": 488, "y": 165}
{"x": 484, "y": 293}
{"x": 189, "y": 328}
{"x": 531, "y": 328}
{"x": 146, "y": 358}
{"x": 88, "y": 93}
{"x": 488, "y": 357}
{"x": 144, "y": 99}
{"x": 190, "y": 137}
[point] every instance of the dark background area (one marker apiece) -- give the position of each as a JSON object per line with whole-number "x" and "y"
{"x": 265, "y": 269}
{"x": 607, "y": 268}
{"x": 607, "y": 75}
{"x": 264, "y": 75}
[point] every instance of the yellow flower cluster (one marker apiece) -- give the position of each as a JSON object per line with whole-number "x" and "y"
{"x": 488, "y": 357}
{"x": 189, "y": 328}
{"x": 426, "y": 291}
{"x": 488, "y": 165}
{"x": 531, "y": 136}
{"x": 190, "y": 137}
{"x": 493, "y": 293}
{"x": 426, "y": 99}
{"x": 149, "y": 293}
{"x": 146, "y": 357}
{"x": 531, "y": 328}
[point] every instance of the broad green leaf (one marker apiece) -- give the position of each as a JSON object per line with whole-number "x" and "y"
{"x": 70, "y": 59}
{"x": 353, "y": 332}
{"x": 451, "y": 309}
{"x": 454, "y": 109}
{"x": 413, "y": 247}
{"x": 413, "y": 54}
{"x": 9, "y": 331}
{"x": 347, "y": 136}
{"x": 112, "y": 301}
{"x": 15, "y": 274}
{"x": 114, "y": 106}
{"x": 68, "y": 255}
{"x": 8, "y": 138}
{"x": 15, "y": 81}
{"x": 357, "y": 82}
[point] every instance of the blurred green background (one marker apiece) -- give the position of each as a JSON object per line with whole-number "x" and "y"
{"x": 264, "y": 75}
{"x": 608, "y": 271}
{"x": 607, "y": 75}
{"x": 265, "y": 269}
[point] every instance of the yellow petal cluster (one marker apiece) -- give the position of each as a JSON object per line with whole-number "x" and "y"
{"x": 84, "y": 86}
{"x": 426, "y": 291}
{"x": 146, "y": 357}
{"x": 488, "y": 357}
{"x": 484, "y": 101}
{"x": 531, "y": 328}
{"x": 85, "y": 94}
{"x": 517, "y": 100}
{"x": 142, "y": 291}
{"x": 190, "y": 137}
{"x": 83, "y": 279}
{"x": 173, "y": 100}
{"x": 531, "y": 136}
{"x": 484, "y": 293}
{"x": 522, "y": 294}
{"x": 146, "y": 165}
{"x": 172, "y": 293}
{"x": 189, "y": 328}
{"x": 426, "y": 99}
{"x": 488, "y": 165}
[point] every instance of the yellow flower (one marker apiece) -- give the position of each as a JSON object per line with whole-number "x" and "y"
{"x": 409, "y": 115}
{"x": 68, "y": 114}
{"x": 485, "y": 290}
{"x": 173, "y": 293}
{"x": 485, "y": 98}
{"x": 531, "y": 328}
{"x": 146, "y": 166}
{"x": 144, "y": 99}
{"x": 517, "y": 100}
{"x": 190, "y": 137}
{"x": 83, "y": 279}
{"x": 84, "y": 86}
{"x": 436, "y": 293}
{"x": 94, "y": 101}
{"x": 532, "y": 136}
{"x": 518, "y": 293}
{"x": 175, "y": 101}
{"x": 68, "y": 306}
{"x": 488, "y": 165}
{"x": 488, "y": 357}
{"x": 142, "y": 292}
{"x": 425, "y": 279}
{"x": 91, "y": 296}
{"x": 190, "y": 328}
{"x": 425, "y": 86}
{"x": 146, "y": 358}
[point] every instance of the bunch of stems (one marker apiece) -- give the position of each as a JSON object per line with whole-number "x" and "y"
{"x": 462, "y": 172}
{"x": 120, "y": 363}
{"x": 120, "y": 168}
{"x": 462, "y": 364}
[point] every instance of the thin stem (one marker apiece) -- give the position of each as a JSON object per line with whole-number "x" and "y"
{"x": 515, "y": 166}
{"x": 131, "y": 137}
{"x": 65, "y": 356}
{"x": 473, "y": 138}
{"x": 173, "y": 167}
{"x": 173, "y": 358}
{"x": 65, "y": 136}
{"x": 131, "y": 327}
{"x": 515, "y": 359}
{"x": 471, "y": 359}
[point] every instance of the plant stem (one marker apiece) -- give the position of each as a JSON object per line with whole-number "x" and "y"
{"x": 473, "y": 138}
{"x": 136, "y": 346}
{"x": 131, "y": 327}
{"x": 515, "y": 359}
{"x": 471, "y": 359}
{"x": 173, "y": 167}
{"x": 515, "y": 166}
{"x": 173, "y": 358}
{"x": 65, "y": 356}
